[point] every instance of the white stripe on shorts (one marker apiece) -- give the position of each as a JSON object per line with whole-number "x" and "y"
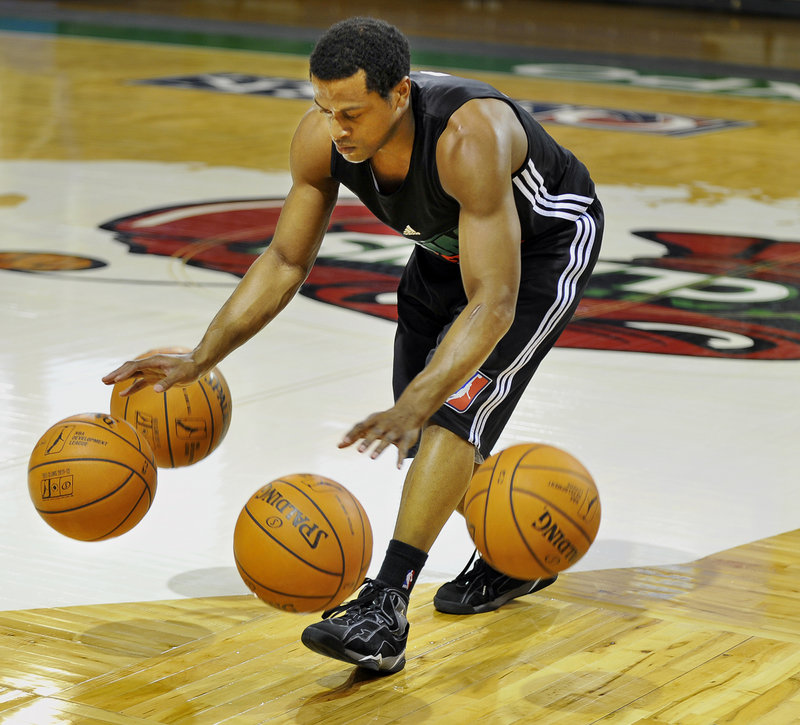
{"x": 566, "y": 291}
{"x": 567, "y": 206}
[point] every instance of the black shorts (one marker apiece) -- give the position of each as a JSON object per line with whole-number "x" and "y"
{"x": 555, "y": 272}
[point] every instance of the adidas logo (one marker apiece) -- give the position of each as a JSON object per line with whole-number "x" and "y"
{"x": 409, "y": 232}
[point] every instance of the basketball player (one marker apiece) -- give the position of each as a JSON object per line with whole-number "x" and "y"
{"x": 507, "y": 230}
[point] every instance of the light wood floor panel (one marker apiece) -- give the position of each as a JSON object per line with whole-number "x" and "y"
{"x": 753, "y": 587}
{"x": 621, "y": 646}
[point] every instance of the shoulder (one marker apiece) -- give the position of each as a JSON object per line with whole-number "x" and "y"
{"x": 481, "y": 119}
{"x": 310, "y": 151}
{"x": 483, "y": 137}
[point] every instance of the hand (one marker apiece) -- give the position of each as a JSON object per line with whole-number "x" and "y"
{"x": 393, "y": 426}
{"x": 162, "y": 371}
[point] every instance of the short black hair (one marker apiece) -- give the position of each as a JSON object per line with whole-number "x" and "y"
{"x": 361, "y": 43}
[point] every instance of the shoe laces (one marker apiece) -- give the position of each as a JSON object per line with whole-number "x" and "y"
{"x": 478, "y": 571}
{"x": 478, "y": 576}
{"x": 362, "y": 605}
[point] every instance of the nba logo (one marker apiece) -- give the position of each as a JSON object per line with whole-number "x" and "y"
{"x": 466, "y": 394}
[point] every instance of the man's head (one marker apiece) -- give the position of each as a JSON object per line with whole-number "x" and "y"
{"x": 368, "y": 44}
{"x": 359, "y": 75}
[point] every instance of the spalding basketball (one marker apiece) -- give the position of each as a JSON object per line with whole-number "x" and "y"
{"x": 302, "y": 543}
{"x": 532, "y": 510}
{"x": 92, "y": 476}
{"x": 184, "y": 424}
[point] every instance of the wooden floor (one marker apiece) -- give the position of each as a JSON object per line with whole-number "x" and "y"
{"x": 711, "y": 642}
{"x": 717, "y": 641}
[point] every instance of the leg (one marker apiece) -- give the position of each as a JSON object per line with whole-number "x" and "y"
{"x": 435, "y": 485}
{"x": 461, "y": 503}
{"x": 372, "y": 630}
{"x": 554, "y": 283}
{"x": 482, "y": 588}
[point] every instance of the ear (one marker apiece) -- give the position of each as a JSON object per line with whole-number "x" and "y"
{"x": 401, "y": 93}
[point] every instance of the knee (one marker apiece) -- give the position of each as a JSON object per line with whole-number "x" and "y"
{"x": 436, "y": 436}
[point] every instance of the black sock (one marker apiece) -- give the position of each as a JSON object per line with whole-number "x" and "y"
{"x": 401, "y": 566}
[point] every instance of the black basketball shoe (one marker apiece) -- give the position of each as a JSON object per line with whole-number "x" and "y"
{"x": 483, "y": 589}
{"x": 370, "y": 631}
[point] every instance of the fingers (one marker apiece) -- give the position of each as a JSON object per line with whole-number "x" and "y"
{"x": 141, "y": 383}
{"x": 168, "y": 379}
{"x": 367, "y": 431}
{"x": 383, "y": 444}
{"x": 126, "y": 371}
{"x": 348, "y": 439}
{"x": 357, "y": 432}
{"x": 123, "y": 372}
{"x": 377, "y": 433}
{"x": 160, "y": 371}
{"x": 137, "y": 385}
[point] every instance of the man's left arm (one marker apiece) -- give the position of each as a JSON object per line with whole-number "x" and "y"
{"x": 475, "y": 162}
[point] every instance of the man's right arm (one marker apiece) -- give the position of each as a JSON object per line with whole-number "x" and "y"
{"x": 273, "y": 278}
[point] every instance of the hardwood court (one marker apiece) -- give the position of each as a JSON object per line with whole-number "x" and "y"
{"x": 716, "y": 641}
{"x": 707, "y": 464}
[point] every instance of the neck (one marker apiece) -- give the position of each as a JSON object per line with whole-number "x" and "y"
{"x": 391, "y": 163}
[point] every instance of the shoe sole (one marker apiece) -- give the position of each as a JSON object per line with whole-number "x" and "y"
{"x": 330, "y": 646}
{"x": 449, "y": 607}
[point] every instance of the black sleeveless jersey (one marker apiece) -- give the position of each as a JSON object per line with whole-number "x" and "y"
{"x": 551, "y": 188}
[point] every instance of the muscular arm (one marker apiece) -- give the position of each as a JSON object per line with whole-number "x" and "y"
{"x": 481, "y": 147}
{"x": 277, "y": 274}
{"x": 476, "y": 159}
{"x": 273, "y": 278}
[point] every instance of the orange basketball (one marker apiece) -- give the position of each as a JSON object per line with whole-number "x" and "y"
{"x": 532, "y": 510}
{"x": 92, "y": 477}
{"x": 184, "y": 424}
{"x": 302, "y": 543}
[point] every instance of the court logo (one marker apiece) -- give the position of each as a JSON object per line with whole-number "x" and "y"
{"x": 46, "y": 262}
{"x": 565, "y": 114}
{"x": 786, "y": 89}
{"x": 599, "y": 118}
{"x": 707, "y": 295}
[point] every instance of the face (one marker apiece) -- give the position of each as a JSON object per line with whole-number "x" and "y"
{"x": 360, "y": 122}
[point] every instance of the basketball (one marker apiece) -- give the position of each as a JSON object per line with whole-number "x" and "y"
{"x": 532, "y": 510}
{"x": 92, "y": 477}
{"x": 184, "y": 424}
{"x": 302, "y": 543}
